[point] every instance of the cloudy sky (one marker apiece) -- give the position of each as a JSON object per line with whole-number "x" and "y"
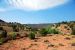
{"x": 37, "y": 11}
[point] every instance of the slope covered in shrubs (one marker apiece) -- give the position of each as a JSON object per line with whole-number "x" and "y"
{"x": 23, "y": 30}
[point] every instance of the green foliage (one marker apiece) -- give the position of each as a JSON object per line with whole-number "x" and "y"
{"x": 73, "y": 30}
{"x": 32, "y": 35}
{"x": 51, "y": 30}
{"x": 15, "y": 28}
{"x": 1, "y": 41}
{"x": 43, "y": 32}
{"x": 3, "y": 34}
{"x": 54, "y": 31}
{"x": 48, "y": 30}
{"x": 13, "y": 35}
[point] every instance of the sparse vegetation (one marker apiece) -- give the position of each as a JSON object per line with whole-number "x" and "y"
{"x": 32, "y": 35}
{"x": 43, "y": 32}
{"x": 46, "y": 31}
{"x": 73, "y": 30}
{"x": 55, "y": 31}
{"x": 12, "y": 35}
{"x": 21, "y": 33}
{"x": 1, "y": 41}
{"x": 3, "y": 34}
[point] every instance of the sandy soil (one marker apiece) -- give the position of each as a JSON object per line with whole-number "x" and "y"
{"x": 54, "y": 42}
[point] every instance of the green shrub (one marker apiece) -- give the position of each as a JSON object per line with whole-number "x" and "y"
{"x": 51, "y": 30}
{"x": 1, "y": 28}
{"x": 54, "y": 31}
{"x": 12, "y": 36}
{"x": 46, "y": 31}
{"x": 73, "y": 30}
{"x": 1, "y": 41}
{"x": 3, "y": 34}
{"x": 15, "y": 28}
{"x": 32, "y": 35}
{"x": 43, "y": 32}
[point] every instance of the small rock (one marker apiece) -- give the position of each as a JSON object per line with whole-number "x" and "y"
{"x": 50, "y": 45}
{"x": 46, "y": 41}
{"x": 68, "y": 38}
{"x": 61, "y": 44}
{"x": 73, "y": 44}
{"x": 73, "y": 36}
{"x": 23, "y": 49}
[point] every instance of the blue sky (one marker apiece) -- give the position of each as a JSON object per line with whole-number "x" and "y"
{"x": 33, "y": 12}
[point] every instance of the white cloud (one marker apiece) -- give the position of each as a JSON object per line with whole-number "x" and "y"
{"x": 35, "y": 4}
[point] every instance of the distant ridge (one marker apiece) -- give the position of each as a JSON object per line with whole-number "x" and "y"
{"x": 1, "y": 21}
{"x": 39, "y": 25}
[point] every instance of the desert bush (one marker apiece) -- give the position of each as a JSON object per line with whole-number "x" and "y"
{"x": 46, "y": 31}
{"x": 73, "y": 30}
{"x": 3, "y": 34}
{"x": 43, "y": 32}
{"x": 15, "y": 28}
{"x": 1, "y": 28}
{"x": 54, "y": 31}
{"x": 1, "y": 41}
{"x": 32, "y": 35}
{"x": 49, "y": 29}
{"x": 12, "y": 36}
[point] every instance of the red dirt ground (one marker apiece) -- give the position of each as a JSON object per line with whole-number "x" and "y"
{"x": 54, "y": 42}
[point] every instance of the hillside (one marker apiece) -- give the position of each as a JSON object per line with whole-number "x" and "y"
{"x": 2, "y": 21}
{"x": 48, "y": 36}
